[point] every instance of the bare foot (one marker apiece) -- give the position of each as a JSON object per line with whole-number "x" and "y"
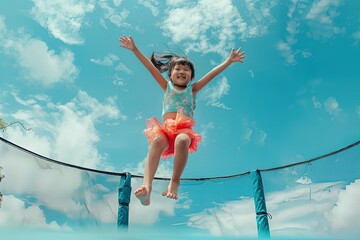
{"x": 143, "y": 194}
{"x": 172, "y": 190}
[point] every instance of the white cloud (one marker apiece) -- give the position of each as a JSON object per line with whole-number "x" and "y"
{"x": 139, "y": 116}
{"x": 118, "y": 81}
{"x": 66, "y": 132}
{"x": 234, "y": 219}
{"x": 123, "y": 68}
{"x": 258, "y": 17}
{"x": 283, "y": 46}
{"x": 305, "y": 180}
{"x": 293, "y": 28}
{"x": 287, "y": 52}
{"x": 111, "y": 60}
{"x": 344, "y": 216}
{"x": 117, "y": 3}
{"x": 63, "y": 18}
{"x": 251, "y": 73}
{"x": 213, "y": 94}
{"x": 173, "y": 3}
{"x": 108, "y": 60}
{"x": 248, "y": 134}
{"x": 32, "y": 179}
{"x": 321, "y": 18}
{"x": 316, "y": 210}
{"x": 204, "y": 22}
{"x": 315, "y": 102}
{"x": 152, "y": 5}
{"x": 332, "y": 106}
{"x": 296, "y": 9}
{"x": 58, "y": 121}
{"x": 306, "y": 53}
{"x": 204, "y": 132}
{"x": 111, "y": 13}
{"x": 48, "y": 69}
{"x": 14, "y": 212}
{"x": 323, "y": 12}
{"x": 35, "y": 183}
{"x": 262, "y": 137}
{"x": 251, "y": 133}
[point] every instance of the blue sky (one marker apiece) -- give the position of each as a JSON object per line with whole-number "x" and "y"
{"x": 295, "y": 97}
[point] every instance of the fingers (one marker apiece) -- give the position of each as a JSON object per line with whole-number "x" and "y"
{"x": 238, "y": 52}
{"x": 126, "y": 41}
{"x": 123, "y": 38}
{"x": 237, "y": 56}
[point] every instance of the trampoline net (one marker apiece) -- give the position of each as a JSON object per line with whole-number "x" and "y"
{"x": 315, "y": 200}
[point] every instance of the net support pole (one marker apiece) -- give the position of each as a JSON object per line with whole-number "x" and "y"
{"x": 260, "y": 206}
{"x": 124, "y": 200}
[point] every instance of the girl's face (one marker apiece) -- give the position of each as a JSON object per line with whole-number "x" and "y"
{"x": 181, "y": 74}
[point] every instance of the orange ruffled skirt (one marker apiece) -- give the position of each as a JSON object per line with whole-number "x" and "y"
{"x": 171, "y": 128}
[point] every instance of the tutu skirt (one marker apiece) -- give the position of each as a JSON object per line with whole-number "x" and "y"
{"x": 171, "y": 128}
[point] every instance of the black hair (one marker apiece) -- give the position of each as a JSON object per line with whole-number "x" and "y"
{"x": 167, "y": 62}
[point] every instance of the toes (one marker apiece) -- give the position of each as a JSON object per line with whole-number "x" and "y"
{"x": 172, "y": 196}
{"x": 140, "y": 190}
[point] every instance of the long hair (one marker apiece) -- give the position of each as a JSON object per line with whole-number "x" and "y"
{"x": 166, "y": 62}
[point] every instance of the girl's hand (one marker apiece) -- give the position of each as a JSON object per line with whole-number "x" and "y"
{"x": 127, "y": 42}
{"x": 237, "y": 56}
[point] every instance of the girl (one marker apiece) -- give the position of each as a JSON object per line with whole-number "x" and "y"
{"x": 175, "y": 136}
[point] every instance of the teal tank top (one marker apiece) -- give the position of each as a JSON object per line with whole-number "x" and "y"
{"x": 174, "y": 100}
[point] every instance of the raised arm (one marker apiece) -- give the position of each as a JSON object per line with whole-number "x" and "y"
{"x": 128, "y": 43}
{"x": 237, "y": 56}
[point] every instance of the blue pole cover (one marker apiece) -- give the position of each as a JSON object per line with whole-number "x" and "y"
{"x": 124, "y": 200}
{"x": 260, "y": 205}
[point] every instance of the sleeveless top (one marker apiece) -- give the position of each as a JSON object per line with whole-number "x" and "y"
{"x": 174, "y": 100}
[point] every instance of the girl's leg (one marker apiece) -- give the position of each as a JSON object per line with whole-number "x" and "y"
{"x": 182, "y": 143}
{"x": 158, "y": 145}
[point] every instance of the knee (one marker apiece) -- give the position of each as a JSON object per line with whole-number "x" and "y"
{"x": 182, "y": 140}
{"x": 160, "y": 142}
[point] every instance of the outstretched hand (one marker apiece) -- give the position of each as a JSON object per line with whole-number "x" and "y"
{"x": 127, "y": 42}
{"x": 237, "y": 56}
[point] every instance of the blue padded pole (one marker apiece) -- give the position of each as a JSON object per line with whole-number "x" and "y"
{"x": 260, "y": 205}
{"x": 124, "y": 200}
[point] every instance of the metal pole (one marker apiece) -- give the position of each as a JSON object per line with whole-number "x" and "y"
{"x": 124, "y": 200}
{"x": 260, "y": 206}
